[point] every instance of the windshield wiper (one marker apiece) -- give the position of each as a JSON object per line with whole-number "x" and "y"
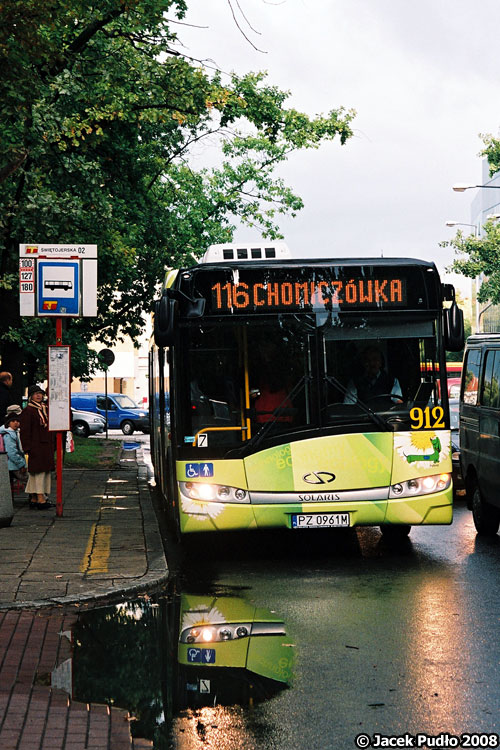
{"x": 364, "y": 407}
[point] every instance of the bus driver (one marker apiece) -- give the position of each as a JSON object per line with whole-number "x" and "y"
{"x": 374, "y": 381}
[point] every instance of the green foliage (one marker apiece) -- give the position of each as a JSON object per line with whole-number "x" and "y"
{"x": 492, "y": 152}
{"x": 100, "y": 113}
{"x": 479, "y": 255}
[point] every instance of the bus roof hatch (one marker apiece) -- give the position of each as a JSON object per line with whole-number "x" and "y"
{"x": 235, "y": 251}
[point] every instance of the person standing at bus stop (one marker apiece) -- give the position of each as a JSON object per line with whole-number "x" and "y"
{"x": 38, "y": 444}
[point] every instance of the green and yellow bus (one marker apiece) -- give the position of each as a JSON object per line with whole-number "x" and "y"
{"x": 264, "y": 411}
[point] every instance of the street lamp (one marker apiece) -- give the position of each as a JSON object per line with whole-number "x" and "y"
{"x": 462, "y": 224}
{"x": 461, "y": 186}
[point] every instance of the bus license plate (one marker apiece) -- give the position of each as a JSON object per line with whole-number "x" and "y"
{"x": 320, "y": 520}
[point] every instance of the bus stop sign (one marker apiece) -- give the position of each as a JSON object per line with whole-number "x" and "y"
{"x": 58, "y": 287}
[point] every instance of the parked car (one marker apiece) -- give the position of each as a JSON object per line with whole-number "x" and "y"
{"x": 85, "y": 423}
{"x": 122, "y": 412}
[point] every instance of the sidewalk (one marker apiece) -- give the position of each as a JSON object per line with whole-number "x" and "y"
{"x": 107, "y": 546}
{"x": 107, "y": 542}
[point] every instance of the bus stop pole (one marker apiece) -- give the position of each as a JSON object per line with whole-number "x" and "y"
{"x": 106, "y": 396}
{"x": 59, "y": 435}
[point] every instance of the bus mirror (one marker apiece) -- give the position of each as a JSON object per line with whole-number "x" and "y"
{"x": 164, "y": 320}
{"x": 453, "y": 328}
{"x": 192, "y": 308}
{"x": 196, "y": 308}
{"x": 448, "y": 291}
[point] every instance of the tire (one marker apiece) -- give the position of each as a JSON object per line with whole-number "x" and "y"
{"x": 127, "y": 427}
{"x": 486, "y": 518}
{"x": 81, "y": 429}
{"x": 396, "y": 531}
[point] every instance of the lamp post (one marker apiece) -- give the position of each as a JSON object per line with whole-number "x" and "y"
{"x": 462, "y": 224}
{"x": 462, "y": 186}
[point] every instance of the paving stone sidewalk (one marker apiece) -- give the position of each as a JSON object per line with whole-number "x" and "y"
{"x": 35, "y": 714}
{"x": 106, "y": 546}
{"x": 107, "y": 542}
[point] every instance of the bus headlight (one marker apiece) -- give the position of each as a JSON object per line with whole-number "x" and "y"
{"x": 218, "y": 493}
{"x": 214, "y": 633}
{"x": 421, "y": 486}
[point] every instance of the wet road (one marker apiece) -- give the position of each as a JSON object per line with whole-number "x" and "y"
{"x": 388, "y": 639}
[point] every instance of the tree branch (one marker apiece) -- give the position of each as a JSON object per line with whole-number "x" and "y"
{"x": 12, "y": 166}
{"x": 91, "y": 30}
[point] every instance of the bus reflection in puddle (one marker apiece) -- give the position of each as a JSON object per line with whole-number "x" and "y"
{"x": 230, "y": 652}
{"x": 173, "y": 656}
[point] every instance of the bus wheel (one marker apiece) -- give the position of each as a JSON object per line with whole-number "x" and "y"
{"x": 397, "y": 531}
{"x": 486, "y": 517}
{"x": 127, "y": 427}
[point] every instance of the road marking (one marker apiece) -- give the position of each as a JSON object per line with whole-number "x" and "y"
{"x": 95, "y": 559}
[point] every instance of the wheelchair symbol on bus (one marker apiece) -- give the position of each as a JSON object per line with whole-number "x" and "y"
{"x": 199, "y": 470}
{"x": 201, "y": 655}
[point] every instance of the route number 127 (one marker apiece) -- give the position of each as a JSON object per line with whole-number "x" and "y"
{"x": 430, "y": 418}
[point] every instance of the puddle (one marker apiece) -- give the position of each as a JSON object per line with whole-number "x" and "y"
{"x": 170, "y": 656}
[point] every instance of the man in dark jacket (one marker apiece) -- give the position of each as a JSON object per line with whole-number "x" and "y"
{"x": 374, "y": 381}
{"x": 6, "y": 398}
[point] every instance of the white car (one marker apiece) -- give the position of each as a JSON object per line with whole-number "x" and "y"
{"x": 85, "y": 423}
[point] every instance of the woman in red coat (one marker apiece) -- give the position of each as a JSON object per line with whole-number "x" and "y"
{"x": 38, "y": 443}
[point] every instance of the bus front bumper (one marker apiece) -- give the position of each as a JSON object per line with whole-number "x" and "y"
{"x": 435, "y": 509}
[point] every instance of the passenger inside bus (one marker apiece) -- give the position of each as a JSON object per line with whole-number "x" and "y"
{"x": 272, "y": 374}
{"x": 272, "y": 402}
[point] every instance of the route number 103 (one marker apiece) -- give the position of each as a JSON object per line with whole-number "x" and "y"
{"x": 430, "y": 418}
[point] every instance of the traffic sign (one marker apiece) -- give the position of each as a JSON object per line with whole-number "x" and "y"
{"x": 106, "y": 356}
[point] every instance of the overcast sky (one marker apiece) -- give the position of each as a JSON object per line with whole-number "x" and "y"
{"x": 424, "y": 79}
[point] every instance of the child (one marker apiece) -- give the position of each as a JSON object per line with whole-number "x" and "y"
{"x": 16, "y": 461}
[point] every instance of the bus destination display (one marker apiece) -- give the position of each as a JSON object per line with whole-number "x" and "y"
{"x": 344, "y": 294}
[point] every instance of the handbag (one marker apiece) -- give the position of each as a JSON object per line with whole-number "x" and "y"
{"x": 70, "y": 443}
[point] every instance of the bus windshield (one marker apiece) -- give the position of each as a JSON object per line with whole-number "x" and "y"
{"x": 286, "y": 374}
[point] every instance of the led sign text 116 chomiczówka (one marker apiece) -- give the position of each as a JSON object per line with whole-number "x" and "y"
{"x": 299, "y": 295}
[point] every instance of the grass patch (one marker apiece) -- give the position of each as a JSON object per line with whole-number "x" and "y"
{"x": 97, "y": 453}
